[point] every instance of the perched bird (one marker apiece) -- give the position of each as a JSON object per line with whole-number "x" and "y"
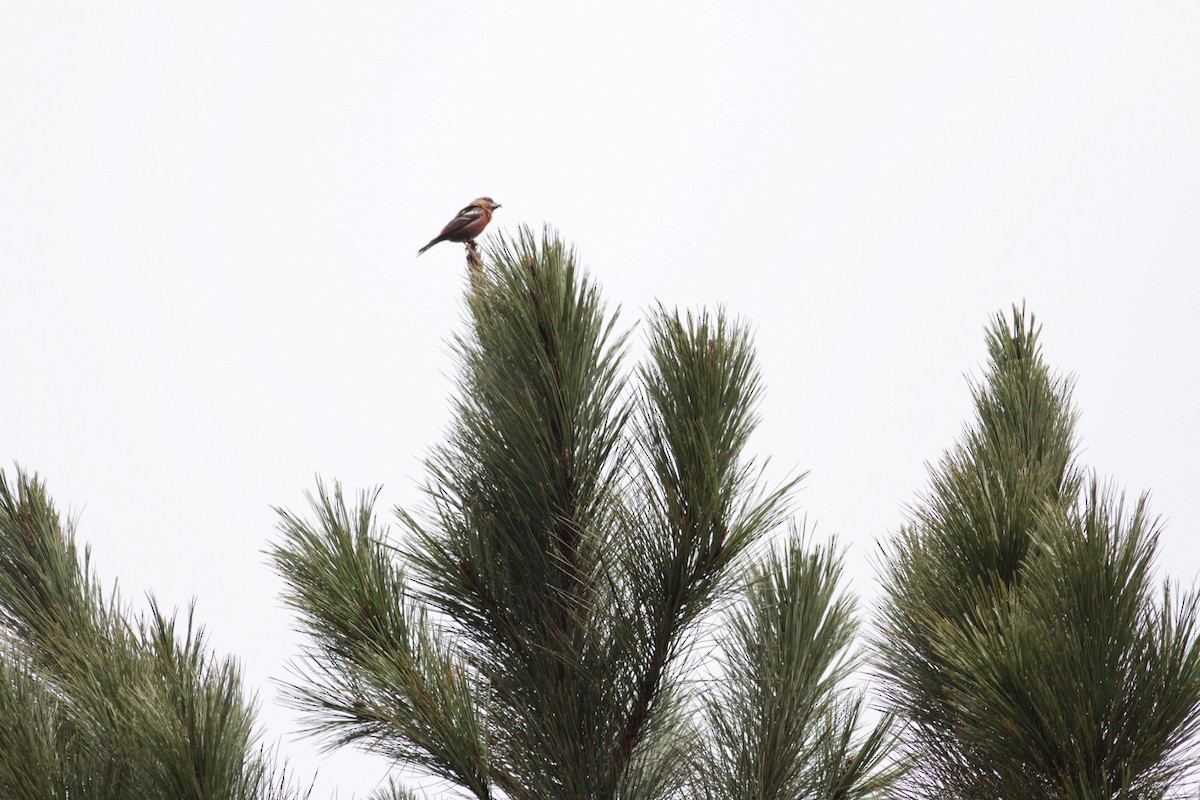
{"x": 467, "y": 224}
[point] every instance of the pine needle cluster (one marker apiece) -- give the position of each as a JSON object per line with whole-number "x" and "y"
{"x": 533, "y": 633}
{"x": 99, "y": 704}
{"x": 1024, "y": 637}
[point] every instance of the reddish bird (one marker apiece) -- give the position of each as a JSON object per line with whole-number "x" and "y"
{"x": 468, "y": 224}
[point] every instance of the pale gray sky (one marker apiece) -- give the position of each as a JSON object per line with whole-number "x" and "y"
{"x": 209, "y": 216}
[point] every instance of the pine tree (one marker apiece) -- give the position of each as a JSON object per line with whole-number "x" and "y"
{"x": 97, "y": 704}
{"x": 537, "y": 631}
{"x": 1023, "y": 638}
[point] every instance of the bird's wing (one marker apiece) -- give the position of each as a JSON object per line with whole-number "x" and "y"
{"x": 468, "y": 216}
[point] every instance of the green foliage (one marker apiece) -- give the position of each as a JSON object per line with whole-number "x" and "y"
{"x": 375, "y": 670}
{"x": 1021, "y": 636}
{"x": 96, "y": 704}
{"x": 782, "y": 724}
{"x": 534, "y": 633}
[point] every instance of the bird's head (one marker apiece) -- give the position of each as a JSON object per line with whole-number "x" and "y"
{"x": 486, "y": 202}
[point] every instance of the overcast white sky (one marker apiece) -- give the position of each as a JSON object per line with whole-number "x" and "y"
{"x": 209, "y": 215}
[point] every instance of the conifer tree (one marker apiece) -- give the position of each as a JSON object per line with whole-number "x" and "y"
{"x": 1024, "y": 637}
{"x": 534, "y": 631}
{"x": 97, "y": 704}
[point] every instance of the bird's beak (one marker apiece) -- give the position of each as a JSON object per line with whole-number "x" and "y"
{"x": 496, "y": 206}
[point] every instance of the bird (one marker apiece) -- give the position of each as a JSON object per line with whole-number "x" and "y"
{"x": 467, "y": 224}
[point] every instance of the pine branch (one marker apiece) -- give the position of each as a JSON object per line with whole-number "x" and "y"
{"x": 376, "y": 673}
{"x": 702, "y": 387}
{"x": 1021, "y": 639}
{"x": 124, "y": 707}
{"x": 573, "y": 544}
{"x": 781, "y": 725}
